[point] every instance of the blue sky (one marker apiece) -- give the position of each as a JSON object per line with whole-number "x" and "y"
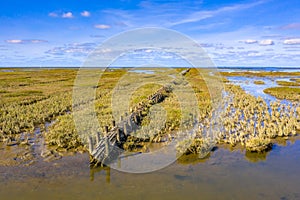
{"x": 233, "y": 33}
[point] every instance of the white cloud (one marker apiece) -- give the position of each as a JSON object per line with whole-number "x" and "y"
{"x": 102, "y": 26}
{"x": 67, "y": 15}
{"x": 17, "y": 41}
{"x": 62, "y": 15}
{"x": 291, "y": 26}
{"x": 53, "y": 14}
{"x": 107, "y": 50}
{"x": 37, "y": 41}
{"x": 201, "y": 15}
{"x": 14, "y": 41}
{"x": 75, "y": 49}
{"x": 85, "y": 13}
{"x": 250, "y": 41}
{"x": 292, "y": 41}
{"x": 266, "y": 42}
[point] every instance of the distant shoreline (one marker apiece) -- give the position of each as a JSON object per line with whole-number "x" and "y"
{"x": 219, "y": 67}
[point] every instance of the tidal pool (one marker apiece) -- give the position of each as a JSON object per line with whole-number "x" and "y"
{"x": 142, "y": 71}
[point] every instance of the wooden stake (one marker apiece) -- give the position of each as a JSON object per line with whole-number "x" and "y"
{"x": 106, "y": 147}
{"x": 118, "y": 135}
{"x": 91, "y": 147}
{"x": 98, "y": 137}
{"x": 106, "y": 130}
{"x": 125, "y": 129}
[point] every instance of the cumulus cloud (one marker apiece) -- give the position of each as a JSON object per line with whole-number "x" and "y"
{"x": 18, "y": 41}
{"x": 75, "y": 49}
{"x": 102, "y": 26}
{"x": 292, "y": 41}
{"x": 67, "y": 15}
{"x": 85, "y": 13}
{"x": 266, "y": 42}
{"x": 14, "y": 41}
{"x": 250, "y": 41}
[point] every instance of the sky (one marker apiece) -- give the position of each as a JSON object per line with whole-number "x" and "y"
{"x": 62, "y": 33}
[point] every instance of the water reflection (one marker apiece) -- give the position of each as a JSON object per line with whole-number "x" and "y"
{"x": 256, "y": 156}
{"x": 98, "y": 170}
{"x": 227, "y": 173}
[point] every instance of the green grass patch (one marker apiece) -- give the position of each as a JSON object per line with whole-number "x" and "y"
{"x": 295, "y": 80}
{"x": 284, "y": 93}
{"x": 25, "y": 93}
{"x": 287, "y": 83}
{"x": 259, "y": 82}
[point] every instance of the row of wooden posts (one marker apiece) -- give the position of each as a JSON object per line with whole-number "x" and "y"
{"x": 109, "y": 146}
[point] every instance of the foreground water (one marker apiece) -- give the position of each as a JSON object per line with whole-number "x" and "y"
{"x": 225, "y": 174}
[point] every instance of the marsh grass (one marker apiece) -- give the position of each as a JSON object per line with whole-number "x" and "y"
{"x": 288, "y": 93}
{"x": 259, "y": 82}
{"x": 295, "y": 80}
{"x": 22, "y": 86}
{"x": 249, "y": 122}
{"x": 27, "y": 102}
{"x": 30, "y": 98}
{"x": 287, "y": 83}
{"x": 25, "y": 93}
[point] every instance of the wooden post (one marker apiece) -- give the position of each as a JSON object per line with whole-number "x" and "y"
{"x": 98, "y": 137}
{"x": 106, "y": 130}
{"x": 106, "y": 140}
{"x": 125, "y": 129}
{"x": 118, "y": 135}
{"x": 129, "y": 121}
{"x": 91, "y": 147}
{"x": 136, "y": 119}
{"x": 106, "y": 146}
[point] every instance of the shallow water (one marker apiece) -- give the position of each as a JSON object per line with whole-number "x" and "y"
{"x": 224, "y": 175}
{"x": 144, "y": 71}
{"x": 259, "y": 69}
{"x": 7, "y": 70}
{"x": 248, "y": 85}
